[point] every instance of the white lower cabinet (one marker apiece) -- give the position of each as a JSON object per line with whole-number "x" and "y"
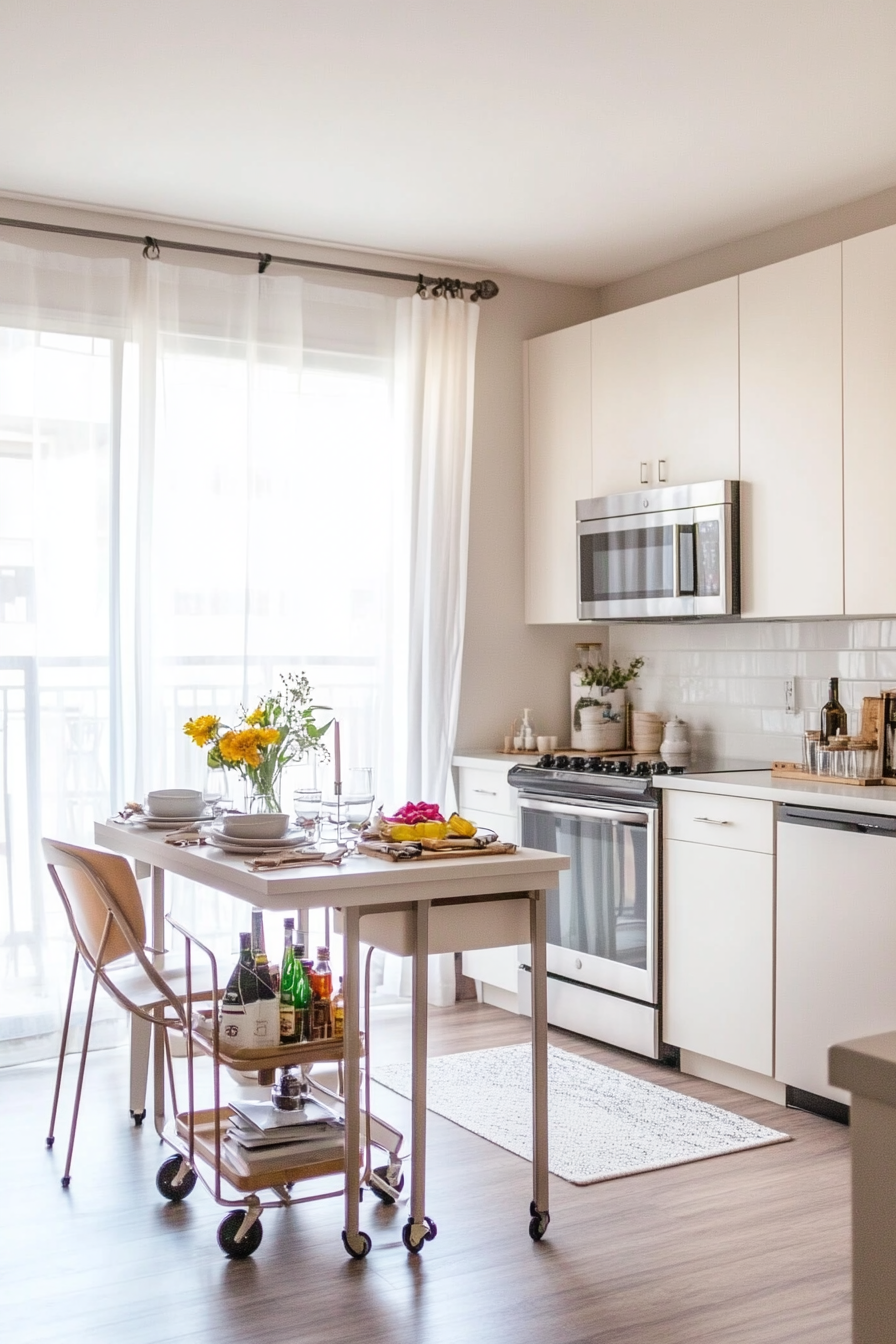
{"x": 486, "y": 799}
{"x": 718, "y": 951}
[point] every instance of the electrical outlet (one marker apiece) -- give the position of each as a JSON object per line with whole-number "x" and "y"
{"x": 790, "y": 695}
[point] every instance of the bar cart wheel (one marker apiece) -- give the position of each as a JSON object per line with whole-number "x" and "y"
{"x": 166, "y": 1176}
{"x": 407, "y": 1235}
{"x": 138, "y": 1117}
{"x": 238, "y": 1250}
{"x": 538, "y": 1222}
{"x": 360, "y": 1252}
{"x": 384, "y": 1195}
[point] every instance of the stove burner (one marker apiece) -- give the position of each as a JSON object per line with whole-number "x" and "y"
{"x": 595, "y": 765}
{"x": 643, "y": 768}
{"x": 661, "y": 768}
{"x": 545, "y": 762}
{"x": 577, "y": 763}
{"x": 561, "y": 762}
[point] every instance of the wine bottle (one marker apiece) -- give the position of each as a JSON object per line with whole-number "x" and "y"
{"x": 288, "y": 986}
{"x": 240, "y": 994}
{"x": 833, "y": 715}
{"x": 304, "y": 999}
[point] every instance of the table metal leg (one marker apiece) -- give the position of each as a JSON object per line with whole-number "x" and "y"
{"x": 419, "y": 1228}
{"x": 141, "y": 1035}
{"x": 157, "y": 888}
{"x": 356, "y": 1242}
{"x": 538, "y": 1209}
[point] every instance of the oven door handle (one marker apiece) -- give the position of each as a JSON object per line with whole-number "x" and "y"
{"x": 597, "y": 812}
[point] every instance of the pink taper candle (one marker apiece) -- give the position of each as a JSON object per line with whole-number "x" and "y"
{"x": 337, "y": 754}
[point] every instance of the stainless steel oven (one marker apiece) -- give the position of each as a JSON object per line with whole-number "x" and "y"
{"x": 660, "y": 553}
{"x": 603, "y": 918}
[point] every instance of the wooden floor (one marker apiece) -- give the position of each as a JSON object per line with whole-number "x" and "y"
{"x": 749, "y": 1247}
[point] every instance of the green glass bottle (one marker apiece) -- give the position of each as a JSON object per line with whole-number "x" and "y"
{"x": 304, "y": 998}
{"x": 288, "y": 986}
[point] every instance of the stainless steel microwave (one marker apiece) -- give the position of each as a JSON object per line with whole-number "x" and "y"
{"x": 660, "y": 553}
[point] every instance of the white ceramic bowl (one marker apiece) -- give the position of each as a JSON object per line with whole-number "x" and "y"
{"x": 174, "y": 802}
{"x": 256, "y": 826}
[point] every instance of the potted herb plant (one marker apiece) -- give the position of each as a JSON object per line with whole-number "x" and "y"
{"x": 598, "y": 720}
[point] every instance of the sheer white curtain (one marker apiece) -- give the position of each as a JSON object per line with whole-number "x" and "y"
{"x": 437, "y": 356}
{"x": 206, "y": 480}
{"x": 64, "y": 323}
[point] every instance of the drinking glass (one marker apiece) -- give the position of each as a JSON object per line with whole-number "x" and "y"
{"x": 214, "y": 792}
{"x": 306, "y": 805}
{"x": 810, "y": 750}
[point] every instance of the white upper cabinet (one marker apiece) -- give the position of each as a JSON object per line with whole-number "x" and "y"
{"x": 665, "y": 391}
{"x": 791, "y": 447}
{"x": 557, "y": 468}
{"x": 869, "y": 421}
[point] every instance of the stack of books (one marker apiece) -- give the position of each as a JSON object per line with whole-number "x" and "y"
{"x": 267, "y": 1139}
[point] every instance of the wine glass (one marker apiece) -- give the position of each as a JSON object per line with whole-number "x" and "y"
{"x": 306, "y": 806}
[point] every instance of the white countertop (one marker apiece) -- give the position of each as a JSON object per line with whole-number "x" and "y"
{"x": 866, "y": 1066}
{"x": 494, "y": 760}
{"x": 880, "y": 798}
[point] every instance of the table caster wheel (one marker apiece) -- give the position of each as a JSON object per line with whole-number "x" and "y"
{"x": 538, "y": 1222}
{"x": 414, "y": 1234}
{"x": 357, "y": 1250}
{"x": 238, "y": 1250}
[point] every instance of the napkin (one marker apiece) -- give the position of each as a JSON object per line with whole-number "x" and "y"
{"x": 293, "y": 858}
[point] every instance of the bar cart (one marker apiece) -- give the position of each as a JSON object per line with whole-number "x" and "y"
{"x": 204, "y": 1151}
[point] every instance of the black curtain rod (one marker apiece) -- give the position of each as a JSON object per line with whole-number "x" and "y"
{"x": 479, "y": 289}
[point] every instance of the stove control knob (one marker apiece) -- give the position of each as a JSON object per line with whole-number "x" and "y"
{"x": 577, "y": 763}
{"x": 661, "y": 768}
{"x": 561, "y": 762}
{"x": 545, "y": 762}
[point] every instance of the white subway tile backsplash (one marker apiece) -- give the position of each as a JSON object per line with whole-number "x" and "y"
{"x": 727, "y": 681}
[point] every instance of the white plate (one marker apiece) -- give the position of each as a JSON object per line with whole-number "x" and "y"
{"x": 233, "y": 845}
{"x": 169, "y": 823}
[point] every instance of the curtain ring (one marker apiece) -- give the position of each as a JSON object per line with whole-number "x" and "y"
{"x": 264, "y": 261}
{"x": 421, "y": 287}
{"x": 151, "y": 250}
{"x": 438, "y": 288}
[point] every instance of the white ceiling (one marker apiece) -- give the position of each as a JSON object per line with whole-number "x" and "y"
{"x": 577, "y": 140}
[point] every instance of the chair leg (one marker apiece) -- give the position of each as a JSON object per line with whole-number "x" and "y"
{"x": 77, "y": 1106}
{"x": 141, "y": 1036}
{"x": 68, "y": 1015}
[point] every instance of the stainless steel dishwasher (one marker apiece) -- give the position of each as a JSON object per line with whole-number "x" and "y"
{"x": 836, "y": 938}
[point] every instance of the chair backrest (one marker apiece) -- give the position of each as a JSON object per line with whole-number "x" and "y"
{"x": 93, "y": 885}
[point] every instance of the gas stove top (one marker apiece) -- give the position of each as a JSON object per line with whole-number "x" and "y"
{"x": 575, "y": 776}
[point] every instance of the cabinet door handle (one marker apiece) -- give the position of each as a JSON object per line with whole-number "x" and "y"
{"x": 714, "y": 821}
{"x": 644, "y": 473}
{"x": 490, "y": 793}
{"x": 661, "y": 469}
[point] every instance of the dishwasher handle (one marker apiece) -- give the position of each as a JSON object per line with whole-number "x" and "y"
{"x": 860, "y": 823}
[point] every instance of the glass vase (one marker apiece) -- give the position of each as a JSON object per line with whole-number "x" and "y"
{"x": 261, "y": 800}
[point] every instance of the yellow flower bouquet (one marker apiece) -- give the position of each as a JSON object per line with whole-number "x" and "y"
{"x": 262, "y": 744}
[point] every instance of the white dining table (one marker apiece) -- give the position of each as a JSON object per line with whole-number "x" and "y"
{"x": 453, "y": 904}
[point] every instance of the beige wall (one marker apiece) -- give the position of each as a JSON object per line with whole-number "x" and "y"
{"x": 507, "y": 664}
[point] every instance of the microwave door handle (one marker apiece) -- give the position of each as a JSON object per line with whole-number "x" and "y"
{"x": 676, "y": 559}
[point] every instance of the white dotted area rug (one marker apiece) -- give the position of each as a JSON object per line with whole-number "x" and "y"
{"x": 602, "y": 1123}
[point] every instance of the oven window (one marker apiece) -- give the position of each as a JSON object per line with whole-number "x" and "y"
{"x": 600, "y": 907}
{"x": 636, "y": 562}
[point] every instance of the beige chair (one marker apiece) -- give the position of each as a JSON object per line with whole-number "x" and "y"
{"x": 105, "y": 913}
